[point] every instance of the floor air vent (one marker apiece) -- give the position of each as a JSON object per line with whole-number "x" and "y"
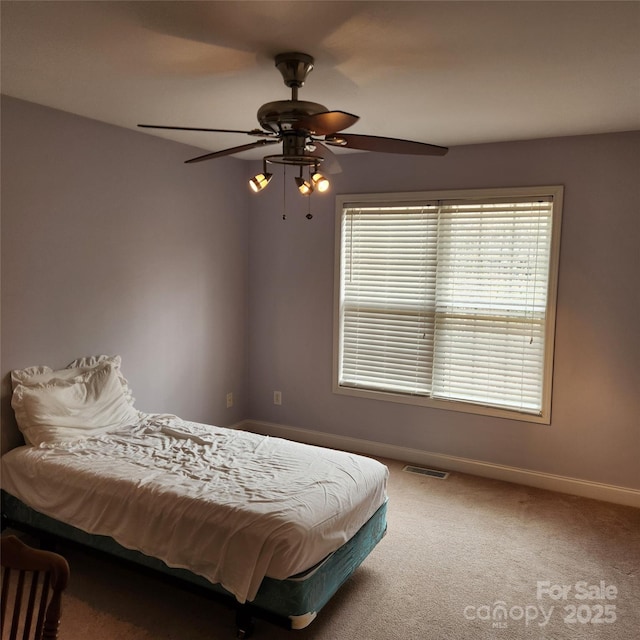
{"x": 432, "y": 473}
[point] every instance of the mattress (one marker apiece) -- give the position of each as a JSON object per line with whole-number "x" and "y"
{"x": 231, "y": 506}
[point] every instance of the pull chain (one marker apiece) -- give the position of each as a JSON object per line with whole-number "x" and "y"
{"x": 309, "y": 215}
{"x": 284, "y": 193}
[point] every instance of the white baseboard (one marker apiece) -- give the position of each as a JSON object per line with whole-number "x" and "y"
{"x": 574, "y": 486}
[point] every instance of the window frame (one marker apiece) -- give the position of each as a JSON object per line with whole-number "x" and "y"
{"x": 556, "y": 192}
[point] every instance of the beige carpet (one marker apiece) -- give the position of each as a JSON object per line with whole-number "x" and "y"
{"x": 454, "y": 549}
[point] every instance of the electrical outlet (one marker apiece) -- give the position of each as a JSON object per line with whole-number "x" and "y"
{"x": 229, "y": 400}
{"x": 277, "y": 397}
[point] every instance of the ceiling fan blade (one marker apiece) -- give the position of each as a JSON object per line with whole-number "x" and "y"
{"x": 253, "y": 132}
{"x": 330, "y": 160}
{"x": 385, "y": 145}
{"x": 227, "y": 152}
{"x": 326, "y": 122}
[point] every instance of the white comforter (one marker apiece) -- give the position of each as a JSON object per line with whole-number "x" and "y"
{"x": 229, "y": 505}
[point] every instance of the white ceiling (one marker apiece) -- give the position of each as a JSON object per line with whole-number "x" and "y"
{"x": 447, "y": 73}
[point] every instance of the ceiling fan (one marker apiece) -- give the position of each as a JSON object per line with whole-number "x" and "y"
{"x": 306, "y": 130}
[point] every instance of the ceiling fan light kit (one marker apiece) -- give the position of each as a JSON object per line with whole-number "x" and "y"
{"x": 306, "y": 131}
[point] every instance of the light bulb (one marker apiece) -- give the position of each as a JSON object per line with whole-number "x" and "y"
{"x": 320, "y": 182}
{"x": 260, "y": 181}
{"x": 304, "y": 187}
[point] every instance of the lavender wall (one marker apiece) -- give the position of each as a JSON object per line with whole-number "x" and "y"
{"x": 110, "y": 244}
{"x": 595, "y": 430}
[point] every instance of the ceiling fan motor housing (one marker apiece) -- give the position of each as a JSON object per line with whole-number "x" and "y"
{"x": 282, "y": 114}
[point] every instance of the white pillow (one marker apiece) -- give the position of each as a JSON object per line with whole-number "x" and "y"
{"x": 36, "y": 375}
{"x": 59, "y": 409}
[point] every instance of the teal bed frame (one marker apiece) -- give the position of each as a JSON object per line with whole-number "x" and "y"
{"x": 293, "y": 603}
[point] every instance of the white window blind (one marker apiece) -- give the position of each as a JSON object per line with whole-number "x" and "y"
{"x": 448, "y": 299}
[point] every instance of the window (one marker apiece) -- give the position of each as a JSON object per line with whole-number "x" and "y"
{"x": 448, "y": 299}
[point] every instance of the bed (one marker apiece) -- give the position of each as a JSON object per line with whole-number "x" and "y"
{"x": 274, "y": 524}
